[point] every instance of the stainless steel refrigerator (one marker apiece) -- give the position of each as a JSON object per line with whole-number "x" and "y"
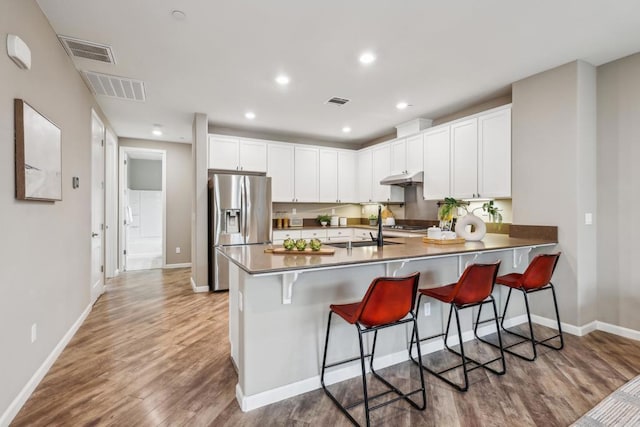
{"x": 239, "y": 214}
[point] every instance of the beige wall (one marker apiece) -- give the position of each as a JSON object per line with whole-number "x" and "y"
{"x": 618, "y": 178}
{"x": 553, "y": 176}
{"x": 179, "y": 173}
{"x": 45, "y": 251}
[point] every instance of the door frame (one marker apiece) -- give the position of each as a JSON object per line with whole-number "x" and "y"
{"x": 95, "y": 294}
{"x": 123, "y": 152}
{"x": 111, "y": 204}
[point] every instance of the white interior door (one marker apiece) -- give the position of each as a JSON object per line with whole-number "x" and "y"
{"x": 97, "y": 207}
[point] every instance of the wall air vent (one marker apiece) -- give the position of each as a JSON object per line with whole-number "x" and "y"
{"x": 338, "y": 101}
{"x": 77, "y": 48}
{"x": 114, "y": 86}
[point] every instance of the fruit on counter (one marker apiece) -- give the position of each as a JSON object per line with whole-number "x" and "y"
{"x": 301, "y": 244}
{"x": 315, "y": 244}
{"x": 289, "y": 244}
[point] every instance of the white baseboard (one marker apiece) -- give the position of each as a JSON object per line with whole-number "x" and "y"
{"x": 352, "y": 370}
{"x": 179, "y": 265}
{"x": 33, "y": 382}
{"x": 197, "y": 288}
{"x": 596, "y": 325}
{"x": 619, "y": 330}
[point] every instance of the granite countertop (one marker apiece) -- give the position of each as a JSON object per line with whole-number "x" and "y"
{"x": 254, "y": 260}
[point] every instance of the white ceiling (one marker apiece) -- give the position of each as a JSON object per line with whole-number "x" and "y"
{"x": 440, "y": 56}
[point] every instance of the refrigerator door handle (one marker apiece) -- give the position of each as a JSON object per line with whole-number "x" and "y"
{"x": 243, "y": 209}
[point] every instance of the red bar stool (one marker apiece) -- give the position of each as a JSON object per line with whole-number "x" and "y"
{"x": 537, "y": 277}
{"x": 472, "y": 289}
{"x": 388, "y": 302}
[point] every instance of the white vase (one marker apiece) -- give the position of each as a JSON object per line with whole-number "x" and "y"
{"x": 479, "y": 227}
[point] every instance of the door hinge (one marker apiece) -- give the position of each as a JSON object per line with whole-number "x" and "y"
{"x": 101, "y": 226}
{"x": 125, "y": 251}
{"x": 102, "y": 269}
{"x": 125, "y": 162}
{"x": 102, "y": 142}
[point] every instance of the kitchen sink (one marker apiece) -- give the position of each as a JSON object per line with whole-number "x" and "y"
{"x": 360, "y": 244}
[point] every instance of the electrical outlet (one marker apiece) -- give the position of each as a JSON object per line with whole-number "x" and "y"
{"x": 178, "y": 250}
{"x": 426, "y": 308}
{"x": 293, "y": 211}
{"x": 34, "y": 332}
{"x": 333, "y": 211}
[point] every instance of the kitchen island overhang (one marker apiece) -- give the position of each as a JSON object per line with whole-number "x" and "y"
{"x": 278, "y": 306}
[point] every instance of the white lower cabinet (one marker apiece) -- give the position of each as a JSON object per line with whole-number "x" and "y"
{"x": 363, "y": 234}
{"x": 339, "y": 234}
{"x": 314, "y": 234}
{"x": 279, "y": 236}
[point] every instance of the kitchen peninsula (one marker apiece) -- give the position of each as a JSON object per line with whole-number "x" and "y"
{"x": 278, "y": 305}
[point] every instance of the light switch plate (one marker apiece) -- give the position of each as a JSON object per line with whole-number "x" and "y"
{"x": 588, "y": 218}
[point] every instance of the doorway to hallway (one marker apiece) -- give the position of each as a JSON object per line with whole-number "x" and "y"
{"x": 143, "y": 199}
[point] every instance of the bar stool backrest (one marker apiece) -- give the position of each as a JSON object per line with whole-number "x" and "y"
{"x": 388, "y": 300}
{"x": 539, "y": 271}
{"x": 476, "y": 283}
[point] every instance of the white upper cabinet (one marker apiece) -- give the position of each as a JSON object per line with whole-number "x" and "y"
{"x": 494, "y": 151}
{"x": 328, "y": 175}
{"x": 415, "y": 153}
{"x": 437, "y": 172}
{"x": 464, "y": 159}
{"x": 306, "y": 174}
{"x": 253, "y": 156}
{"x": 398, "y": 150}
{"x": 381, "y": 168}
{"x": 347, "y": 177}
{"x": 406, "y": 155}
{"x": 239, "y": 154}
{"x": 365, "y": 176}
{"x": 280, "y": 169}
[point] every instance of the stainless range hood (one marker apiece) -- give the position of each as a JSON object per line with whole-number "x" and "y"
{"x": 404, "y": 179}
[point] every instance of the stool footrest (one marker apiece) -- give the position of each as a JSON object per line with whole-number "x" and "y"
{"x": 342, "y": 362}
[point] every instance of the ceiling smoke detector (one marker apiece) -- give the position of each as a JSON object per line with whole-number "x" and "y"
{"x": 114, "y": 86}
{"x": 77, "y": 48}
{"x": 338, "y": 101}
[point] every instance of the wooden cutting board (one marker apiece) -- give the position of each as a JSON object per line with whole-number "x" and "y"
{"x": 457, "y": 241}
{"x": 308, "y": 251}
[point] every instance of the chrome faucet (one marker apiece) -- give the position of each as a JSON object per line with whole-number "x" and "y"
{"x": 379, "y": 240}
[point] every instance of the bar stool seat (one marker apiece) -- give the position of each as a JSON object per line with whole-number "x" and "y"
{"x": 537, "y": 277}
{"x": 472, "y": 289}
{"x": 388, "y": 302}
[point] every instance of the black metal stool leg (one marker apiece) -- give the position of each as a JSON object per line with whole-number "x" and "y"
{"x": 495, "y": 313}
{"x": 324, "y": 357}
{"x": 364, "y": 377}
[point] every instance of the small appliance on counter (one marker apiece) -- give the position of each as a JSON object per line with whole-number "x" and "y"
{"x": 295, "y": 221}
{"x": 335, "y": 220}
{"x": 343, "y": 221}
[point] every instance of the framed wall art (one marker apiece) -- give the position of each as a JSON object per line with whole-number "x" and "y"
{"x": 38, "y": 155}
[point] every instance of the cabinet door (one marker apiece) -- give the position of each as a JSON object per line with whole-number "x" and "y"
{"x": 280, "y": 163}
{"x": 381, "y": 165}
{"x": 347, "y": 177}
{"x": 464, "y": 156}
{"x": 306, "y": 174}
{"x": 398, "y": 150}
{"x": 328, "y": 176}
{"x": 415, "y": 154}
{"x": 437, "y": 170}
{"x": 494, "y": 151}
{"x": 223, "y": 152}
{"x": 253, "y": 156}
{"x": 365, "y": 176}
{"x": 381, "y": 168}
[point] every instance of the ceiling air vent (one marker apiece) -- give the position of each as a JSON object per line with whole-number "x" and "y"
{"x": 77, "y": 48}
{"x": 114, "y": 86}
{"x": 337, "y": 101}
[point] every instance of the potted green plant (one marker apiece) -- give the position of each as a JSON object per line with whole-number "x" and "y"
{"x": 323, "y": 219}
{"x": 492, "y": 210}
{"x": 448, "y": 210}
{"x": 373, "y": 219}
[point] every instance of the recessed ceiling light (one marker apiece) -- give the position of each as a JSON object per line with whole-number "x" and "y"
{"x": 156, "y": 130}
{"x": 178, "y": 15}
{"x": 367, "y": 58}
{"x": 282, "y": 80}
{"x": 250, "y": 115}
{"x": 402, "y": 105}
{"x": 346, "y": 129}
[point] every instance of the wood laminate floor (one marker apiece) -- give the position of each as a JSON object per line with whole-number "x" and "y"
{"x": 153, "y": 353}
